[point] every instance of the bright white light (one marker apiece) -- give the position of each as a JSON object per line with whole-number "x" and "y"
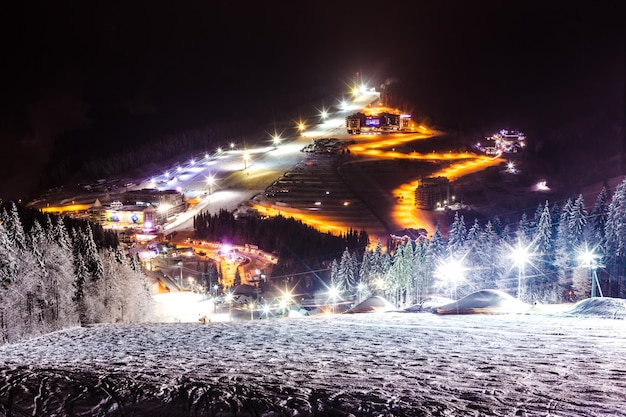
{"x": 267, "y": 309}
{"x": 520, "y": 255}
{"x": 510, "y": 166}
{"x": 451, "y": 271}
{"x": 333, "y": 293}
{"x": 588, "y": 258}
{"x": 542, "y": 186}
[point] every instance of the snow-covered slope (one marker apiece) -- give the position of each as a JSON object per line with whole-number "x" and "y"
{"x": 391, "y": 364}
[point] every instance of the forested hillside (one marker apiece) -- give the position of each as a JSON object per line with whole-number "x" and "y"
{"x": 58, "y": 272}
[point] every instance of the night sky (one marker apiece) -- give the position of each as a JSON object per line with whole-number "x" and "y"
{"x": 471, "y": 66}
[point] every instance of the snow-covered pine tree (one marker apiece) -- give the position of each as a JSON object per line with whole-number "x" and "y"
{"x": 615, "y": 233}
{"x": 456, "y": 238}
{"x": 543, "y": 285}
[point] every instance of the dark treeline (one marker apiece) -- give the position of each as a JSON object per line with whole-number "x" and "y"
{"x": 121, "y": 153}
{"x": 299, "y": 247}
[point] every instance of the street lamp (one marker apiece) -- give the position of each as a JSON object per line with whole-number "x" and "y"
{"x": 246, "y": 156}
{"x": 180, "y": 279}
{"x": 276, "y": 141}
{"x": 451, "y": 272}
{"x": 333, "y": 295}
{"x": 229, "y": 300}
{"x": 589, "y": 258}
{"x": 285, "y": 301}
{"x": 210, "y": 180}
{"x": 360, "y": 287}
{"x": 520, "y": 256}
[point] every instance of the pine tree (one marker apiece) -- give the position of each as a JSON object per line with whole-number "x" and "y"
{"x": 543, "y": 286}
{"x": 578, "y": 221}
{"x": 493, "y": 270}
{"x": 524, "y": 230}
{"x": 365, "y": 274}
{"x": 346, "y": 275}
{"x": 598, "y": 218}
{"x": 15, "y": 230}
{"x": 8, "y": 259}
{"x": 420, "y": 270}
{"x": 564, "y": 246}
{"x": 615, "y": 233}
{"x": 435, "y": 255}
{"x": 476, "y": 256}
{"x": 456, "y": 238}
{"x": 92, "y": 260}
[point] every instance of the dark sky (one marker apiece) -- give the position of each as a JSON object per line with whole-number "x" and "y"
{"x": 463, "y": 64}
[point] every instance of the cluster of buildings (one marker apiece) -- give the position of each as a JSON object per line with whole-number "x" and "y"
{"x": 143, "y": 210}
{"x": 505, "y": 141}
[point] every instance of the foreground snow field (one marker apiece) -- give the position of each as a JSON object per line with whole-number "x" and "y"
{"x": 370, "y": 364}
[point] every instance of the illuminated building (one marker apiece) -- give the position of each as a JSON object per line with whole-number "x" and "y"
{"x": 376, "y": 122}
{"x": 142, "y": 209}
{"x": 167, "y": 203}
{"x": 432, "y": 193}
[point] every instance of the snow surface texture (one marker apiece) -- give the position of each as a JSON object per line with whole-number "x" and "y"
{"x": 371, "y": 364}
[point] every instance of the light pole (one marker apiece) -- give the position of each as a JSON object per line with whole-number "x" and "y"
{"x": 589, "y": 258}
{"x": 360, "y": 289}
{"x": 276, "y": 141}
{"x": 229, "y": 300}
{"x": 210, "y": 180}
{"x": 333, "y": 294}
{"x": 520, "y": 257}
{"x": 451, "y": 272}
{"x": 246, "y": 156}
{"x": 180, "y": 278}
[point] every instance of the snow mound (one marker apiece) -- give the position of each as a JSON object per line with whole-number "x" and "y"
{"x": 484, "y": 302}
{"x": 375, "y": 304}
{"x": 429, "y": 304}
{"x": 600, "y": 307}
